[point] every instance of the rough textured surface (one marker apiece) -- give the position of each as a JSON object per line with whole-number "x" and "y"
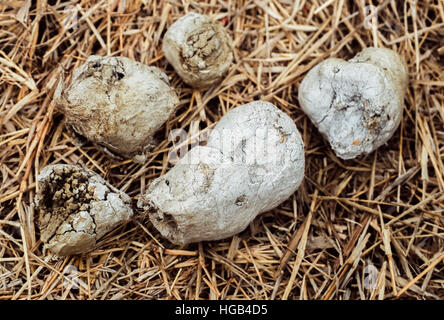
{"x": 199, "y": 49}
{"x": 267, "y": 36}
{"x": 117, "y": 103}
{"x": 357, "y": 105}
{"x": 76, "y": 208}
{"x": 254, "y": 160}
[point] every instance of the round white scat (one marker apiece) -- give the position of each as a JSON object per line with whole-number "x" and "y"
{"x": 76, "y": 208}
{"x": 357, "y": 104}
{"x": 199, "y": 49}
{"x": 253, "y": 161}
{"x": 117, "y": 103}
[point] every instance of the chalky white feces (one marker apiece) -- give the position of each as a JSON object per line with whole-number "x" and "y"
{"x": 117, "y": 103}
{"x": 252, "y": 162}
{"x": 357, "y": 104}
{"x": 199, "y": 49}
{"x": 76, "y": 208}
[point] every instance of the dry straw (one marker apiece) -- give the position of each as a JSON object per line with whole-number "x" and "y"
{"x": 369, "y": 228}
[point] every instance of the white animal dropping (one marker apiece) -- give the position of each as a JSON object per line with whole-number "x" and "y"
{"x": 118, "y": 104}
{"x": 199, "y": 49}
{"x": 76, "y": 208}
{"x": 253, "y": 161}
{"x": 357, "y": 104}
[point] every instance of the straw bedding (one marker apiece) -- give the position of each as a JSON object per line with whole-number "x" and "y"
{"x": 368, "y": 228}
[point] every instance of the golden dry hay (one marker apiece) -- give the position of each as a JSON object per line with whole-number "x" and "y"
{"x": 369, "y": 228}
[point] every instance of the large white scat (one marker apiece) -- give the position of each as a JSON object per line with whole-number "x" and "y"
{"x": 117, "y": 103}
{"x": 253, "y": 161}
{"x": 357, "y": 104}
{"x": 76, "y": 208}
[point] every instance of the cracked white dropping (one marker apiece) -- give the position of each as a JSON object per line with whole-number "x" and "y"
{"x": 357, "y": 104}
{"x": 253, "y": 161}
{"x": 76, "y": 208}
{"x": 118, "y": 104}
{"x": 199, "y": 49}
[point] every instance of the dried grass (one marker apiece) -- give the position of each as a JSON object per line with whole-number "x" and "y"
{"x": 384, "y": 210}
